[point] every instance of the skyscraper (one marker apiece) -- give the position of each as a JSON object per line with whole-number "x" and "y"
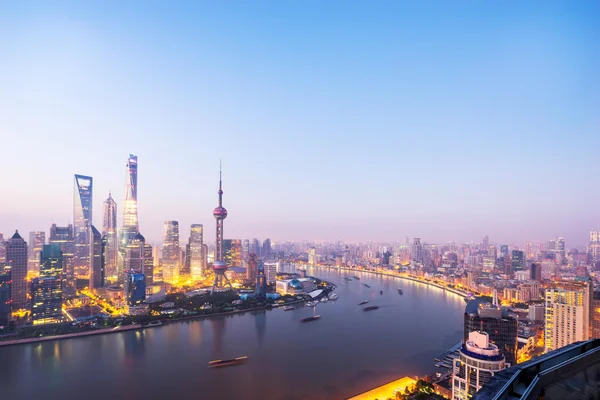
{"x": 219, "y": 265}
{"x": 82, "y": 222}
{"x": 5, "y": 304}
{"x": 485, "y": 243}
{"x": 36, "y": 240}
{"x": 134, "y": 288}
{"x": 130, "y": 254}
{"x": 97, "y": 270}
{"x": 266, "y": 252}
{"x": 252, "y": 267}
{"x": 196, "y": 245}
{"x": 109, "y": 229}
{"x": 16, "y": 258}
{"x": 148, "y": 264}
{"x": 51, "y": 264}
{"x": 130, "y": 206}
{"x": 560, "y": 250}
{"x": 245, "y": 252}
{"x": 536, "y": 272}
{"x": 63, "y": 236}
{"x": 255, "y": 248}
{"x": 171, "y": 252}
{"x": 46, "y": 291}
{"x": 568, "y": 313}
{"x": 594, "y": 248}
{"x": 518, "y": 260}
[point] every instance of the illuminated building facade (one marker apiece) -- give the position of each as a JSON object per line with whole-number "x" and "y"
{"x": 109, "y": 230}
{"x": 5, "y": 303}
{"x": 232, "y": 248}
{"x": 171, "y": 252}
{"x": 134, "y": 288}
{"x": 148, "y": 264}
{"x": 478, "y": 361}
{"x": 46, "y": 296}
{"x": 568, "y": 313}
{"x": 196, "y": 245}
{"x": 63, "y": 236}
{"x": 46, "y": 291}
{"x": 219, "y": 265}
{"x": 36, "y": 240}
{"x": 2, "y": 249}
{"x": 82, "y": 222}
{"x": 98, "y": 259}
{"x": 16, "y": 258}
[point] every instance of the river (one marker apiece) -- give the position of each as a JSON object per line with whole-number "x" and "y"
{"x": 344, "y": 353}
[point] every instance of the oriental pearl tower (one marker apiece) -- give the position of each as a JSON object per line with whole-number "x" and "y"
{"x": 219, "y": 265}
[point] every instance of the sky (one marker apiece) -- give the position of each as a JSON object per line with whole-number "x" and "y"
{"x": 349, "y": 120}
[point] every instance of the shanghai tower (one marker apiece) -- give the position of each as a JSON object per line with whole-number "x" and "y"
{"x": 130, "y": 228}
{"x": 82, "y": 222}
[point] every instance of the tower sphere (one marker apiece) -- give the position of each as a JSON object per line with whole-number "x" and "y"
{"x": 220, "y": 213}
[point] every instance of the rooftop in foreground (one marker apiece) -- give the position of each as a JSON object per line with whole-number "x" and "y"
{"x": 387, "y": 390}
{"x": 571, "y": 372}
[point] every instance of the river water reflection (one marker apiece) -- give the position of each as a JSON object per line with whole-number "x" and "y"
{"x": 344, "y": 353}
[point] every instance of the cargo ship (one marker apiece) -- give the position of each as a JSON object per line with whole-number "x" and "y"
{"x": 370, "y": 308}
{"x": 227, "y": 363}
{"x": 308, "y": 319}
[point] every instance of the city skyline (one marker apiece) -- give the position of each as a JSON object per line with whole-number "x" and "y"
{"x": 449, "y": 127}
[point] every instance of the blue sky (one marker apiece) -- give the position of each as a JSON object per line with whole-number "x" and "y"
{"x": 335, "y": 120}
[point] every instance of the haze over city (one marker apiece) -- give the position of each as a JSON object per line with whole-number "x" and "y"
{"x": 337, "y": 120}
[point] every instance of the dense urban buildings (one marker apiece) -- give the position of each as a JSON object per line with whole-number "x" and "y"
{"x": 63, "y": 236}
{"x": 82, "y": 222}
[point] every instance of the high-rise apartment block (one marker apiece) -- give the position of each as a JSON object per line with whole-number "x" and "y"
{"x": 16, "y": 259}
{"x": 568, "y": 313}
{"x": 478, "y": 361}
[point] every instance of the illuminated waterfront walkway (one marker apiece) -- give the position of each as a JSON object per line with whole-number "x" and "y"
{"x": 413, "y": 278}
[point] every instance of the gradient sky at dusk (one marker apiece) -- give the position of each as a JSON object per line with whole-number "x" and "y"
{"x": 335, "y": 120}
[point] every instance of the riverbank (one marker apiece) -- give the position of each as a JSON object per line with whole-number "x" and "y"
{"x": 413, "y": 278}
{"x": 163, "y": 321}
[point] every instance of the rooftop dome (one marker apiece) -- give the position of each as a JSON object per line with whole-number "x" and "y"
{"x": 296, "y": 284}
